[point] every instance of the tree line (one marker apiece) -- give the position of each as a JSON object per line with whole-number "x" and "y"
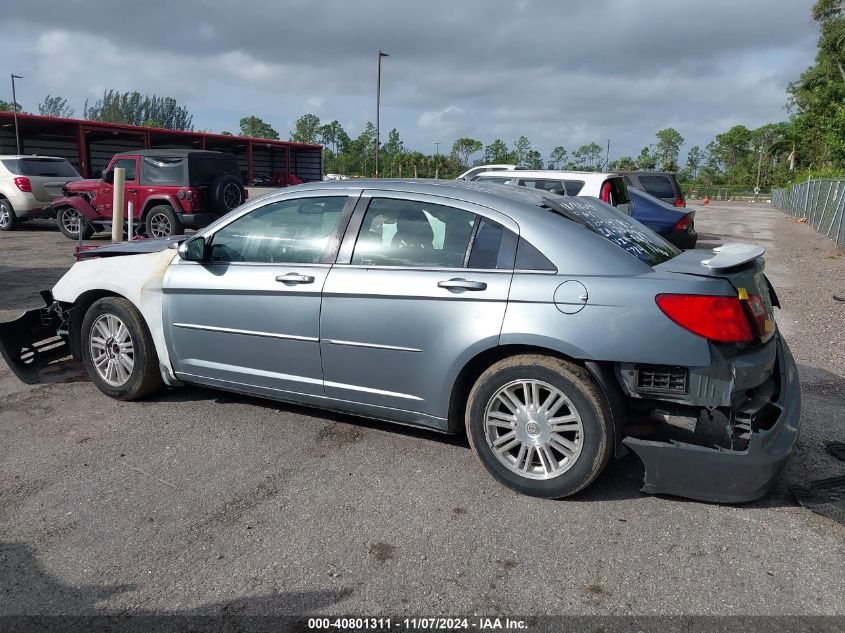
{"x": 810, "y": 141}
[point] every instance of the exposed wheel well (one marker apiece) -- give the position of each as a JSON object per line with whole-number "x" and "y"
{"x": 77, "y": 314}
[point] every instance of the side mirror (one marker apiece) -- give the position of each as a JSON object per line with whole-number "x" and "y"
{"x": 108, "y": 176}
{"x": 193, "y": 250}
{"x": 558, "y": 191}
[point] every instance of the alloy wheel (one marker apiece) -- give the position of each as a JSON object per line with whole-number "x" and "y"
{"x": 5, "y": 215}
{"x": 72, "y": 221}
{"x": 533, "y": 429}
{"x": 231, "y": 195}
{"x": 112, "y": 350}
{"x": 160, "y": 225}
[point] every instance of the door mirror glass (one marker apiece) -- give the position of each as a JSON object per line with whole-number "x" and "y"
{"x": 193, "y": 250}
{"x": 108, "y": 176}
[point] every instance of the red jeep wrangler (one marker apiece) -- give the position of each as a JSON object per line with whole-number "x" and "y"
{"x": 170, "y": 189}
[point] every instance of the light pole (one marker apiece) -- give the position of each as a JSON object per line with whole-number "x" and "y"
{"x": 378, "y": 105}
{"x": 15, "y": 111}
{"x": 437, "y": 147}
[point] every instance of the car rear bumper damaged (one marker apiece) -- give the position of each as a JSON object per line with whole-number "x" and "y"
{"x": 767, "y": 423}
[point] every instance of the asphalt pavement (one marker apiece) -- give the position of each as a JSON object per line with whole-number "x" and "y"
{"x": 202, "y": 502}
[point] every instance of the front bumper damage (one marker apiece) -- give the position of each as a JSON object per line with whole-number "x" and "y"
{"x": 34, "y": 340}
{"x": 724, "y": 475}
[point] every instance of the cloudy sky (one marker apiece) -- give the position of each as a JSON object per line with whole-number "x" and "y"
{"x": 561, "y": 73}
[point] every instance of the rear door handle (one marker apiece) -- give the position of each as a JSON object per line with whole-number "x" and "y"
{"x": 295, "y": 278}
{"x": 462, "y": 284}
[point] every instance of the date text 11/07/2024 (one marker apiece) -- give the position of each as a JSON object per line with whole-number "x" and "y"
{"x": 417, "y": 624}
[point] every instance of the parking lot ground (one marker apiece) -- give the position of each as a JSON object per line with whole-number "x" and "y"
{"x": 203, "y": 502}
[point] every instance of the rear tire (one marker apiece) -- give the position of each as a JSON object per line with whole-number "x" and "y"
{"x": 225, "y": 193}
{"x": 162, "y": 221}
{"x": 118, "y": 350}
{"x": 8, "y": 218}
{"x": 548, "y": 420}
{"x": 70, "y": 220}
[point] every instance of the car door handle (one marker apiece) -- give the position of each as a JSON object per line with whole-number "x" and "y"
{"x": 295, "y": 278}
{"x": 462, "y": 284}
{"x": 132, "y": 190}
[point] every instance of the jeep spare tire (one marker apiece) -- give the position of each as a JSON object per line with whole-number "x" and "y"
{"x": 225, "y": 193}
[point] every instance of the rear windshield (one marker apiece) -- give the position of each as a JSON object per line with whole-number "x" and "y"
{"x": 621, "y": 229}
{"x": 47, "y": 167}
{"x": 658, "y": 186}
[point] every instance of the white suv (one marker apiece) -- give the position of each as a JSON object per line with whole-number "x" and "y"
{"x": 28, "y": 184}
{"x": 475, "y": 172}
{"x": 608, "y": 187}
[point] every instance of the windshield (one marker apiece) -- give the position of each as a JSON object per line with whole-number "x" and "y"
{"x": 47, "y": 167}
{"x": 638, "y": 240}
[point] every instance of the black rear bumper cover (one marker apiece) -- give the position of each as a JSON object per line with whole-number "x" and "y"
{"x": 722, "y": 475}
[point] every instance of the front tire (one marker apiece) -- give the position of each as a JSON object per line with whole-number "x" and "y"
{"x": 540, "y": 425}
{"x": 162, "y": 222}
{"x": 71, "y": 222}
{"x": 118, "y": 350}
{"x": 8, "y": 218}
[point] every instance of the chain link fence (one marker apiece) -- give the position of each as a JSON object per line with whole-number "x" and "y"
{"x": 819, "y": 202}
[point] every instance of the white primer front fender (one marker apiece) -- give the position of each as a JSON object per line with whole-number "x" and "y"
{"x": 137, "y": 278}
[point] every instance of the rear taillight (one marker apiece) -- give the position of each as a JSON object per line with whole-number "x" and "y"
{"x": 759, "y": 314}
{"x": 23, "y": 184}
{"x": 605, "y": 192}
{"x": 683, "y": 223}
{"x": 680, "y": 202}
{"x": 715, "y": 318}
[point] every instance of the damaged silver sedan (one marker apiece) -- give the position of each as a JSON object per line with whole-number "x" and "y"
{"x": 556, "y": 332}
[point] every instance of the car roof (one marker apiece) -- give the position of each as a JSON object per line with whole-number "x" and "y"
{"x": 552, "y": 173}
{"x": 485, "y": 194}
{"x": 10, "y": 156}
{"x": 647, "y": 172}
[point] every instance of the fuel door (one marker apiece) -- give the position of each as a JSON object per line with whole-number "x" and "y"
{"x": 571, "y": 296}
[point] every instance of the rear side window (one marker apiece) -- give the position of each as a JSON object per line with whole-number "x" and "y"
{"x": 46, "y": 167}
{"x": 658, "y": 186}
{"x": 417, "y": 234}
{"x": 571, "y": 187}
{"x": 163, "y": 171}
{"x": 529, "y": 258}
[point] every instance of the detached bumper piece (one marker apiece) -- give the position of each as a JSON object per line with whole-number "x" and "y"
{"x": 723, "y": 475}
{"x": 30, "y": 342}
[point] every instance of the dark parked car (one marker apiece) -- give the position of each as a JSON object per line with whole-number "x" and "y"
{"x": 170, "y": 189}
{"x": 676, "y": 225}
{"x": 555, "y": 331}
{"x": 660, "y": 184}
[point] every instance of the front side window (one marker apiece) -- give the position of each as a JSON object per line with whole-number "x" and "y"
{"x": 129, "y": 165}
{"x": 290, "y": 231}
{"x": 407, "y": 233}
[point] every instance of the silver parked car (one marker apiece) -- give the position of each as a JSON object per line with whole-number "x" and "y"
{"x": 28, "y": 184}
{"x": 544, "y": 326}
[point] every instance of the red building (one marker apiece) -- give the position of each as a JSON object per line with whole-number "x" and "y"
{"x": 89, "y": 145}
